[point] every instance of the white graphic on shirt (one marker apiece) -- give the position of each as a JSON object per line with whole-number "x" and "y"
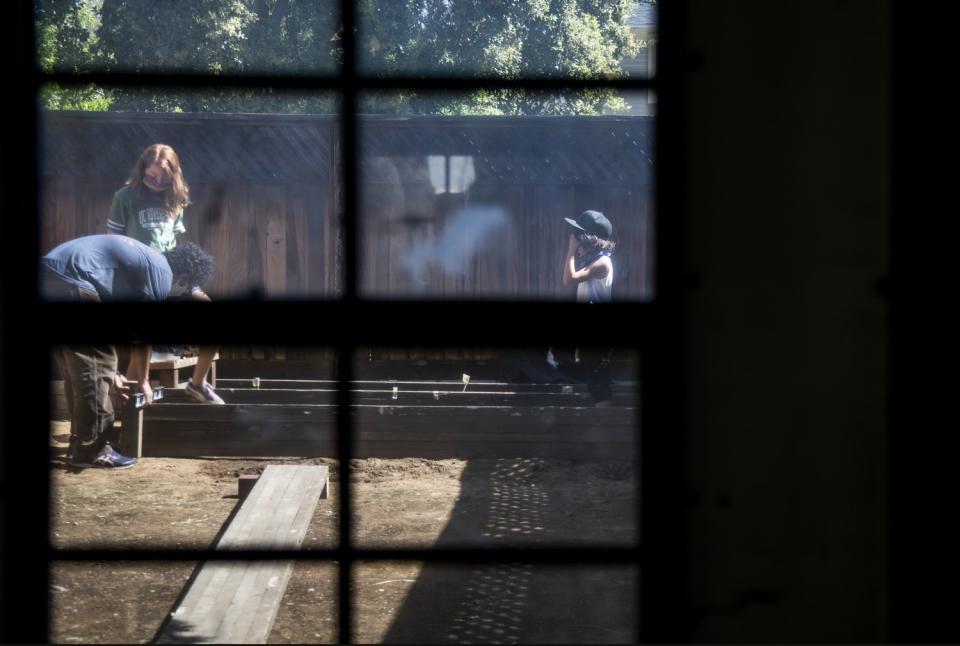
{"x": 154, "y": 218}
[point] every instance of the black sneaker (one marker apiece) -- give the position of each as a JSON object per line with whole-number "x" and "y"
{"x": 80, "y": 456}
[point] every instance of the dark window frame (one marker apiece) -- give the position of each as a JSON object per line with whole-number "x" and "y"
{"x": 654, "y": 329}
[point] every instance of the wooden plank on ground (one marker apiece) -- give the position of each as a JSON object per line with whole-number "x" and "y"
{"x": 232, "y": 602}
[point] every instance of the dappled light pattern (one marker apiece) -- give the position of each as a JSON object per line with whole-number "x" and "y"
{"x": 516, "y": 503}
{"x": 491, "y": 611}
{"x": 515, "y": 602}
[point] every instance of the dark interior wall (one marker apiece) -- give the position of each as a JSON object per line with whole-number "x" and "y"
{"x": 789, "y": 216}
{"x": 788, "y": 220}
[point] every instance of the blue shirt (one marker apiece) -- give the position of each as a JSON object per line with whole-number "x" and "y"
{"x": 116, "y": 267}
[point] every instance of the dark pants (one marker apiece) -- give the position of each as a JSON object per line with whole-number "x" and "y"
{"x": 592, "y": 369}
{"x": 88, "y": 373}
{"x": 590, "y": 366}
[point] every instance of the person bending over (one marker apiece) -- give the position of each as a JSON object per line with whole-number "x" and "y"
{"x": 111, "y": 268}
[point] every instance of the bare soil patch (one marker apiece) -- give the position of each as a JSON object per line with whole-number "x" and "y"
{"x": 412, "y": 502}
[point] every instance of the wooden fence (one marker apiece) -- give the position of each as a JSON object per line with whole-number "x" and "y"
{"x": 266, "y": 193}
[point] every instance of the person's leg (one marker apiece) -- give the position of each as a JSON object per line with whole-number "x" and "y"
{"x": 91, "y": 370}
{"x": 568, "y": 365}
{"x": 198, "y": 388}
{"x": 596, "y": 366}
{"x": 204, "y": 361}
{"x": 530, "y": 366}
{"x": 61, "y": 355}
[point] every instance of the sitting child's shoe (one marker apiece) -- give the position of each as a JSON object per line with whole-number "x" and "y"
{"x": 204, "y": 394}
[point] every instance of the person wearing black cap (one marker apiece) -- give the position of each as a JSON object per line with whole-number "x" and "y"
{"x": 588, "y": 265}
{"x": 588, "y": 262}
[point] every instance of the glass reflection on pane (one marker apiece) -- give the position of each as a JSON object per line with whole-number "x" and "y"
{"x": 474, "y": 206}
{"x": 559, "y": 39}
{"x": 510, "y": 603}
{"x": 193, "y": 459}
{"x": 168, "y": 36}
{"x": 257, "y": 191}
{"x": 130, "y": 602}
{"x": 482, "y": 447}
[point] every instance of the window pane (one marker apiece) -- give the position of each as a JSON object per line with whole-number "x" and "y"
{"x": 495, "y": 448}
{"x": 210, "y": 36}
{"x": 473, "y": 206}
{"x": 128, "y": 602}
{"x": 565, "y": 39}
{"x": 176, "y": 495}
{"x": 416, "y": 603}
{"x": 262, "y": 187}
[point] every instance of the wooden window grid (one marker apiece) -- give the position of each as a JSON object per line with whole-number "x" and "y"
{"x": 347, "y": 322}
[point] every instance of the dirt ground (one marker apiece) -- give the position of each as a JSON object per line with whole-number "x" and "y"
{"x": 183, "y": 503}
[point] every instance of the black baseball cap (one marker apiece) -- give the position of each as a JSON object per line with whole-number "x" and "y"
{"x": 593, "y": 222}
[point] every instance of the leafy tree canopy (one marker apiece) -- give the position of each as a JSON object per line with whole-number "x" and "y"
{"x": 510, "y": 39}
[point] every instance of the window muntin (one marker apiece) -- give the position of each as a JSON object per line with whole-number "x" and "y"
{"x": 346, "y": 308}
{"x": 495, "y": 603}
{"x": 265, "y": 188}
{"x": 529, "y": 40}
{"x": 151, "y": 589}
{"x": 473, "y": 207}
{"x": 527, "y": 460}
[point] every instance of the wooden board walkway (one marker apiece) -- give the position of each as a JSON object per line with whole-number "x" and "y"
{"x": 390, "y": 431}
{"x": 236, "y": 602}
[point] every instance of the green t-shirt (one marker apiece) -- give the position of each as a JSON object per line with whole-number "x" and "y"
{"x": 146, "y": 220}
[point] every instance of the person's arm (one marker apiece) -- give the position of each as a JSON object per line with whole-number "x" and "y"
{"x": 178, "y": 227}
{"x": 571, "y": 275}
{"x": 570, "y": 262}
{"x": 117, "y": 218}
{"x": 122, "y": 387}
{"x": 138, "y": 372}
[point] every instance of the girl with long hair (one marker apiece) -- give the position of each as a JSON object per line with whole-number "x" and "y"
{"x": 149, "y": 208}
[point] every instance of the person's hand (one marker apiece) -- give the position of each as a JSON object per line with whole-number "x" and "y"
{"x": 120, "y": 385}
{"x": 573, "y": 244}
{"x": 147, "y": 390}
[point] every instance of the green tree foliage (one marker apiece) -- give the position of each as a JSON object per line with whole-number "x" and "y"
{"x": 66, "y": 37}
{"x": 510, "y": 39}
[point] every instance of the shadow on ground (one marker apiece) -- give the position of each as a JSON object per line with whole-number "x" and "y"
{"x": 521, "y": 602}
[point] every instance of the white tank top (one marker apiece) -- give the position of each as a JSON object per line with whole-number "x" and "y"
{"x": 596, "y": 290}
